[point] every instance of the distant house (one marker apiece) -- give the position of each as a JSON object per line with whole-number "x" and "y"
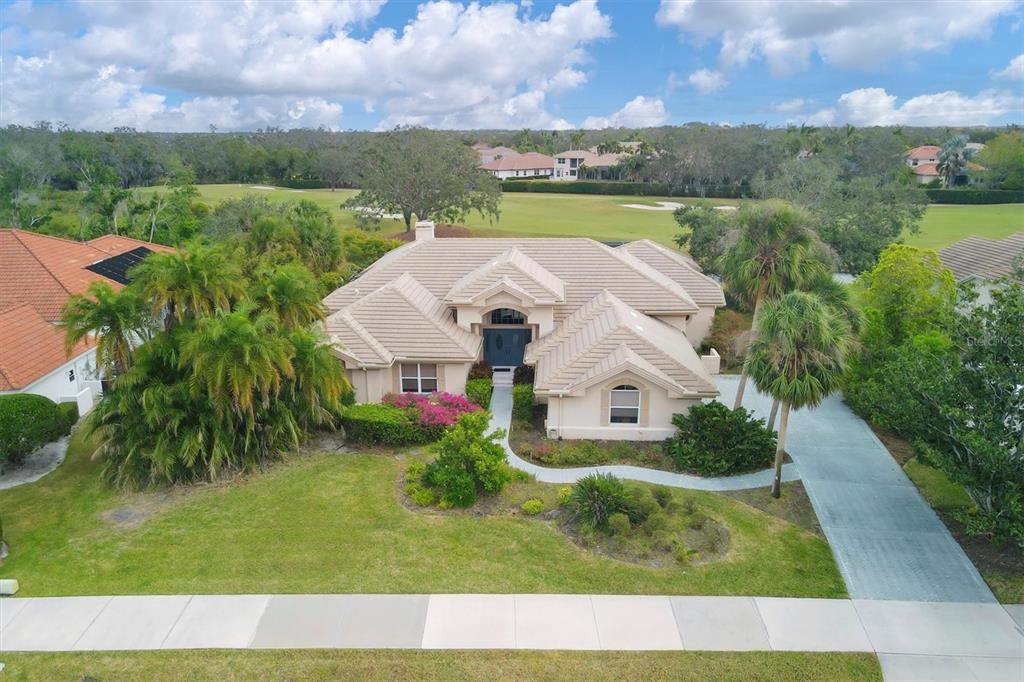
{"x": 489, "y": 154}
{"x": 38, "y": 274}
{"x": 983, "y": 261}
{"x": 924, "y": 161}
{"x": 568, "y": 164}
{"x": 528, "y": 165}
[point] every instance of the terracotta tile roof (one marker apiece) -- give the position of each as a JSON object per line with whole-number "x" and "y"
{"x": 585, "y": 266}
{"x": 926, "y": 169}
{"x": 528, "y": 161}
{"x": 400, "y": 320}
{"x": 679, "y": 268}
{"x": 606, "y": 336}
{"x": 30, "y": 347}
{"x": 983, "y": 258}
{"x": 45, "y": 271}
{"x": 527, "y": 274}
{"x": 925, "y": 151}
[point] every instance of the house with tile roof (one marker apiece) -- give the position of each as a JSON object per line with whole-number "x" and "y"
{"x": 611, "y": 333}
{"x": 528, "y": 165}
{"x": 984, "y": 261}
{"x": 38, "y": 274}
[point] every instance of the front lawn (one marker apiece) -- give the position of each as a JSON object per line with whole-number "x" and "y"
{"x": 447, "y": 665}
{"x": 336, "y": 523}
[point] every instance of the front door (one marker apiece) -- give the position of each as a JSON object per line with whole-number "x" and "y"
{"x": 505, "y": 347}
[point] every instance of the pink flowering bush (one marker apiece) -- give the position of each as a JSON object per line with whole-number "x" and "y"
{"x": 436, "y": 410}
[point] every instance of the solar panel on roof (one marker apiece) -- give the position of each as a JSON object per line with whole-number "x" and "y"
{"x": 117, "y": 267}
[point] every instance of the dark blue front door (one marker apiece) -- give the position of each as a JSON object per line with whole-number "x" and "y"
{"x": 505, "y": 347}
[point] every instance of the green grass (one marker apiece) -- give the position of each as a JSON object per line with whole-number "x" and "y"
{"x": 447, "y": 665}
{"x": 941, "y": 493}
{"x": 945, "y": 224}
{"x": 333, "y": 523}
{"x": 605, "y": 218}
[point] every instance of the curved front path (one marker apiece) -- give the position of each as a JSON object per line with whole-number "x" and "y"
{"x": 41, "y": 462}
{"x": 501, "y": 418}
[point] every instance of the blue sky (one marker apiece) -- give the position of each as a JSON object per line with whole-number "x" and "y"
{"x": 369, "y": 65}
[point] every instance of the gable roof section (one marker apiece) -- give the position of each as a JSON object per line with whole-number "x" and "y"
{"x": 527, "y": 161}
{"x": 606, "y": 336}
{"x": 585, "y": 267}
{"x": 925, "y": 151}
{"x": 44, "y": 271}
{"x": 983, "y": 258}
{"x": 679, "y": 268}
{"x": 401, "y": 319}
{"x": 513, "y": 265}
{"x": 30, "y": 347}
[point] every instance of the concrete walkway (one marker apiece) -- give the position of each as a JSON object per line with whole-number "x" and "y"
{"x": 501, "y": 417}
{"x": 915, "y": 640}
{"x": 41, "y": 462}
{"x": 887, "y": 540}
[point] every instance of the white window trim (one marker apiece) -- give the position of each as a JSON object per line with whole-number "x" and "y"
{"x": 639, "y": 400}
{"x": 418, "y": 377}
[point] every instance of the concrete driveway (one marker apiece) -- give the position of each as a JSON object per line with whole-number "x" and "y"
{"x": 887, "y": 540}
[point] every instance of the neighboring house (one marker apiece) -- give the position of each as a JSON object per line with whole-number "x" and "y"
{"x": 611, "y": 332}
{"x": 528, "y": 165}
{"x": 38, "y": 274}
{"x": 568, "y": 164}
{"x": 924, "y": 161}
{"x": 983, "y": 261}
{"x": 489, "y": 154}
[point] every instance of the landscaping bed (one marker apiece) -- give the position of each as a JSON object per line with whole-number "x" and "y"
{"x": 1002, "y": 566}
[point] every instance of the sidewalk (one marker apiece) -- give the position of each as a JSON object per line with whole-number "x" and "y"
{"x": 915, "y": 640}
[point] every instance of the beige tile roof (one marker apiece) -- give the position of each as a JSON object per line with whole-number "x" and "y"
{"x": 594, "y": 341}
{"x": 679, "y": 268}
{"x": 515, "y": 266}
{"x": 401, "y": 319}
{"x": 585, "y": 266}
{"x": 527, "y": 161}
{"x": 983, "y": 258}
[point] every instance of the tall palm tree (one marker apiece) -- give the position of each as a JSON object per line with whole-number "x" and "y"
{"x": 798, "y": 357}
{"x": 197, "y": 280}
{"x": 119, "y": 321}
{"x": 291, "y": 293}
{"x": 238, "y": 360}
{"x": 774, "y": 251}
{"x": 319, "y": 380}
{"x": 952, "y": 159}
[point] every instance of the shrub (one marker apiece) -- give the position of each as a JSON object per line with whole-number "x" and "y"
{"x": 714, "y": 441}
{"x": 522, "y": 402}
{"x": 975, "y": 196}
{"x": 480, "y": 370}
{"x": 596, "y": 497}
{"x": 618, "y": 524}
{"x": 640, "y": 503}
{"x": 26, "y": 422}
{"x": 469, "y": 461}
{"x": 384, "y": 425}
{"x": 533, "y": 507}
{"x": 564, "y": 495}
{"x": 663, "y": 494}
{"x": 523, "y": 375}
{"x": 434, "y": 410}
{"x": 69, "y": 413}
{"x": 623, "y": 188}
{"x": 478, "y": 391}
{"x": 726, "y": 330}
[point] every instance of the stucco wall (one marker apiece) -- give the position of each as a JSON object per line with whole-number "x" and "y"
{"x": 56, "y": 386}
{"x": 696, "y": 328}
{"x": 371, "y": 385}
{"x": 587, "y": 416}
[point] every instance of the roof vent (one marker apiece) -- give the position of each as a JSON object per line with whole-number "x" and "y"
{"x": 424, "y": 230}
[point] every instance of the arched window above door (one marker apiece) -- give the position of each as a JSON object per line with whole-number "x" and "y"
{"x": 507, "y": 316}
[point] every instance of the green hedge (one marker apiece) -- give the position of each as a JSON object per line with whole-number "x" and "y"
{"x": 26, "y": 422}
{"x": 975, "y": 196}
{"x": 615, "y": 187}
{"x": 69, "y": 413}
{"x": 479, "y": 392}
{"x": 522, "y": 402}
{"x": 380, "y": 424}
{"x": 714, "y": 440}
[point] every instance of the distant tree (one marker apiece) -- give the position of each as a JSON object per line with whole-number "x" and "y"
{"x": 953, "y": 159}
{"x": 1002, "y": 161}
{"x": 414, "y": 171}
{"x": 704, "y": 234}
{"x": 336, "y": 167}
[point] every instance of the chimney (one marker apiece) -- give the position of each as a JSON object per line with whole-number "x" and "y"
{"x": 424, "y": 230}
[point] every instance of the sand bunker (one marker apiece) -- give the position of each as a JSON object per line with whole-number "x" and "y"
{"x": 670, "y": 206}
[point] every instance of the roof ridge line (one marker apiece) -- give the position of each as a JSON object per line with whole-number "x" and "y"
{"x": 651, "y": 274}
{"x": 43, "y": 265}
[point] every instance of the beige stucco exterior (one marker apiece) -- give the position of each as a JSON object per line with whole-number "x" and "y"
{"x": 372, "y": 384}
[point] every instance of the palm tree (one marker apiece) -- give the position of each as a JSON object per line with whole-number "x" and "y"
{"x": 798, "y": 357}
{"x": 774, "y": 251}
{"x": 191, "y": 282}
{"x": 118, "y": 321}
{"x": 319, "y": 380}
{"x": 291, "y": 293}
{"x": 952, "y": 159}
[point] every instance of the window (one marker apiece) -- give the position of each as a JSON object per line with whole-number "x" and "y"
{"x": 624, "y": 405}
{"x": 71, "y": 375}
{"x": 419, "y": 378}
{"x": 507, "y": 316}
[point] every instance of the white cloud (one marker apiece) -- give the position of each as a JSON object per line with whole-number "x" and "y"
{"x": 293, "y": 64}
{"x": 707, "y": 81}
{"x": 639, "y": 112}
{"x": 847, "y": 34}
{"x": 1014, "y": 70}
{"x": 790, "y": 106}
{"x": 875, "y": 106}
